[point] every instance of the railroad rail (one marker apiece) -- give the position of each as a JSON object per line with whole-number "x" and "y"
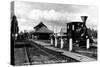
{"x": 53, "y": 55}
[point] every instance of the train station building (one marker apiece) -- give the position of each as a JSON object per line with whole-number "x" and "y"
{"x": 42, "y": 31}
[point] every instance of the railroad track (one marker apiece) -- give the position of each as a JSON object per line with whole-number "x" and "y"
{"x": 28, "y": 54}
{"x": 43, "y": 51}
{"x": 33, "y": 49}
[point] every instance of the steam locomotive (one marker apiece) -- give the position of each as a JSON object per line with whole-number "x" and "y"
{"x": 78, "y": 32}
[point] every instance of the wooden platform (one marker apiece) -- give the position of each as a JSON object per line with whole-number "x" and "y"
{"x": 76, "y": 56}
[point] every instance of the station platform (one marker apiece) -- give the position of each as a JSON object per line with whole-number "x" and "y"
{"x": 73, "y": 55}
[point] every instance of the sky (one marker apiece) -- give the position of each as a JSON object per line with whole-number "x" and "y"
{"x": 54, "y": 15}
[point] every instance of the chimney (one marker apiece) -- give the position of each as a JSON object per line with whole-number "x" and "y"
{"x": 84, "y": 18}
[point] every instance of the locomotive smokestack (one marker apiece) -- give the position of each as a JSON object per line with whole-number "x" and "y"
{"x": 84, "y": 18}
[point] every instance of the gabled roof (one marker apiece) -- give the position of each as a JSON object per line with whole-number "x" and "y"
{"x": 43, "y": 30}
{"x": 40, "y": 25}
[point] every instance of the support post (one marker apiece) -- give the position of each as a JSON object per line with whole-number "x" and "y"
{"x": 16, "y": 36}
{"x": 51, "y": 41}
{"x": 62, "y": 43}
{"x": 70, "y": 44}
{"x": 88, "y": 44}
{"x": 55, "y": 42}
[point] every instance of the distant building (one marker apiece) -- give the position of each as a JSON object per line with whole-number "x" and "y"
{"x": 42, "y": 31}
{"x": 62, "y": 32}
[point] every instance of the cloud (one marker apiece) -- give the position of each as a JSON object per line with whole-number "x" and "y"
{"x": 23, "y": 27}
{"x": 60, "y": 18}
{"x": 55, "y": 17}
{"x": 30, "y": 14}
{"x": 52, "y": 15}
